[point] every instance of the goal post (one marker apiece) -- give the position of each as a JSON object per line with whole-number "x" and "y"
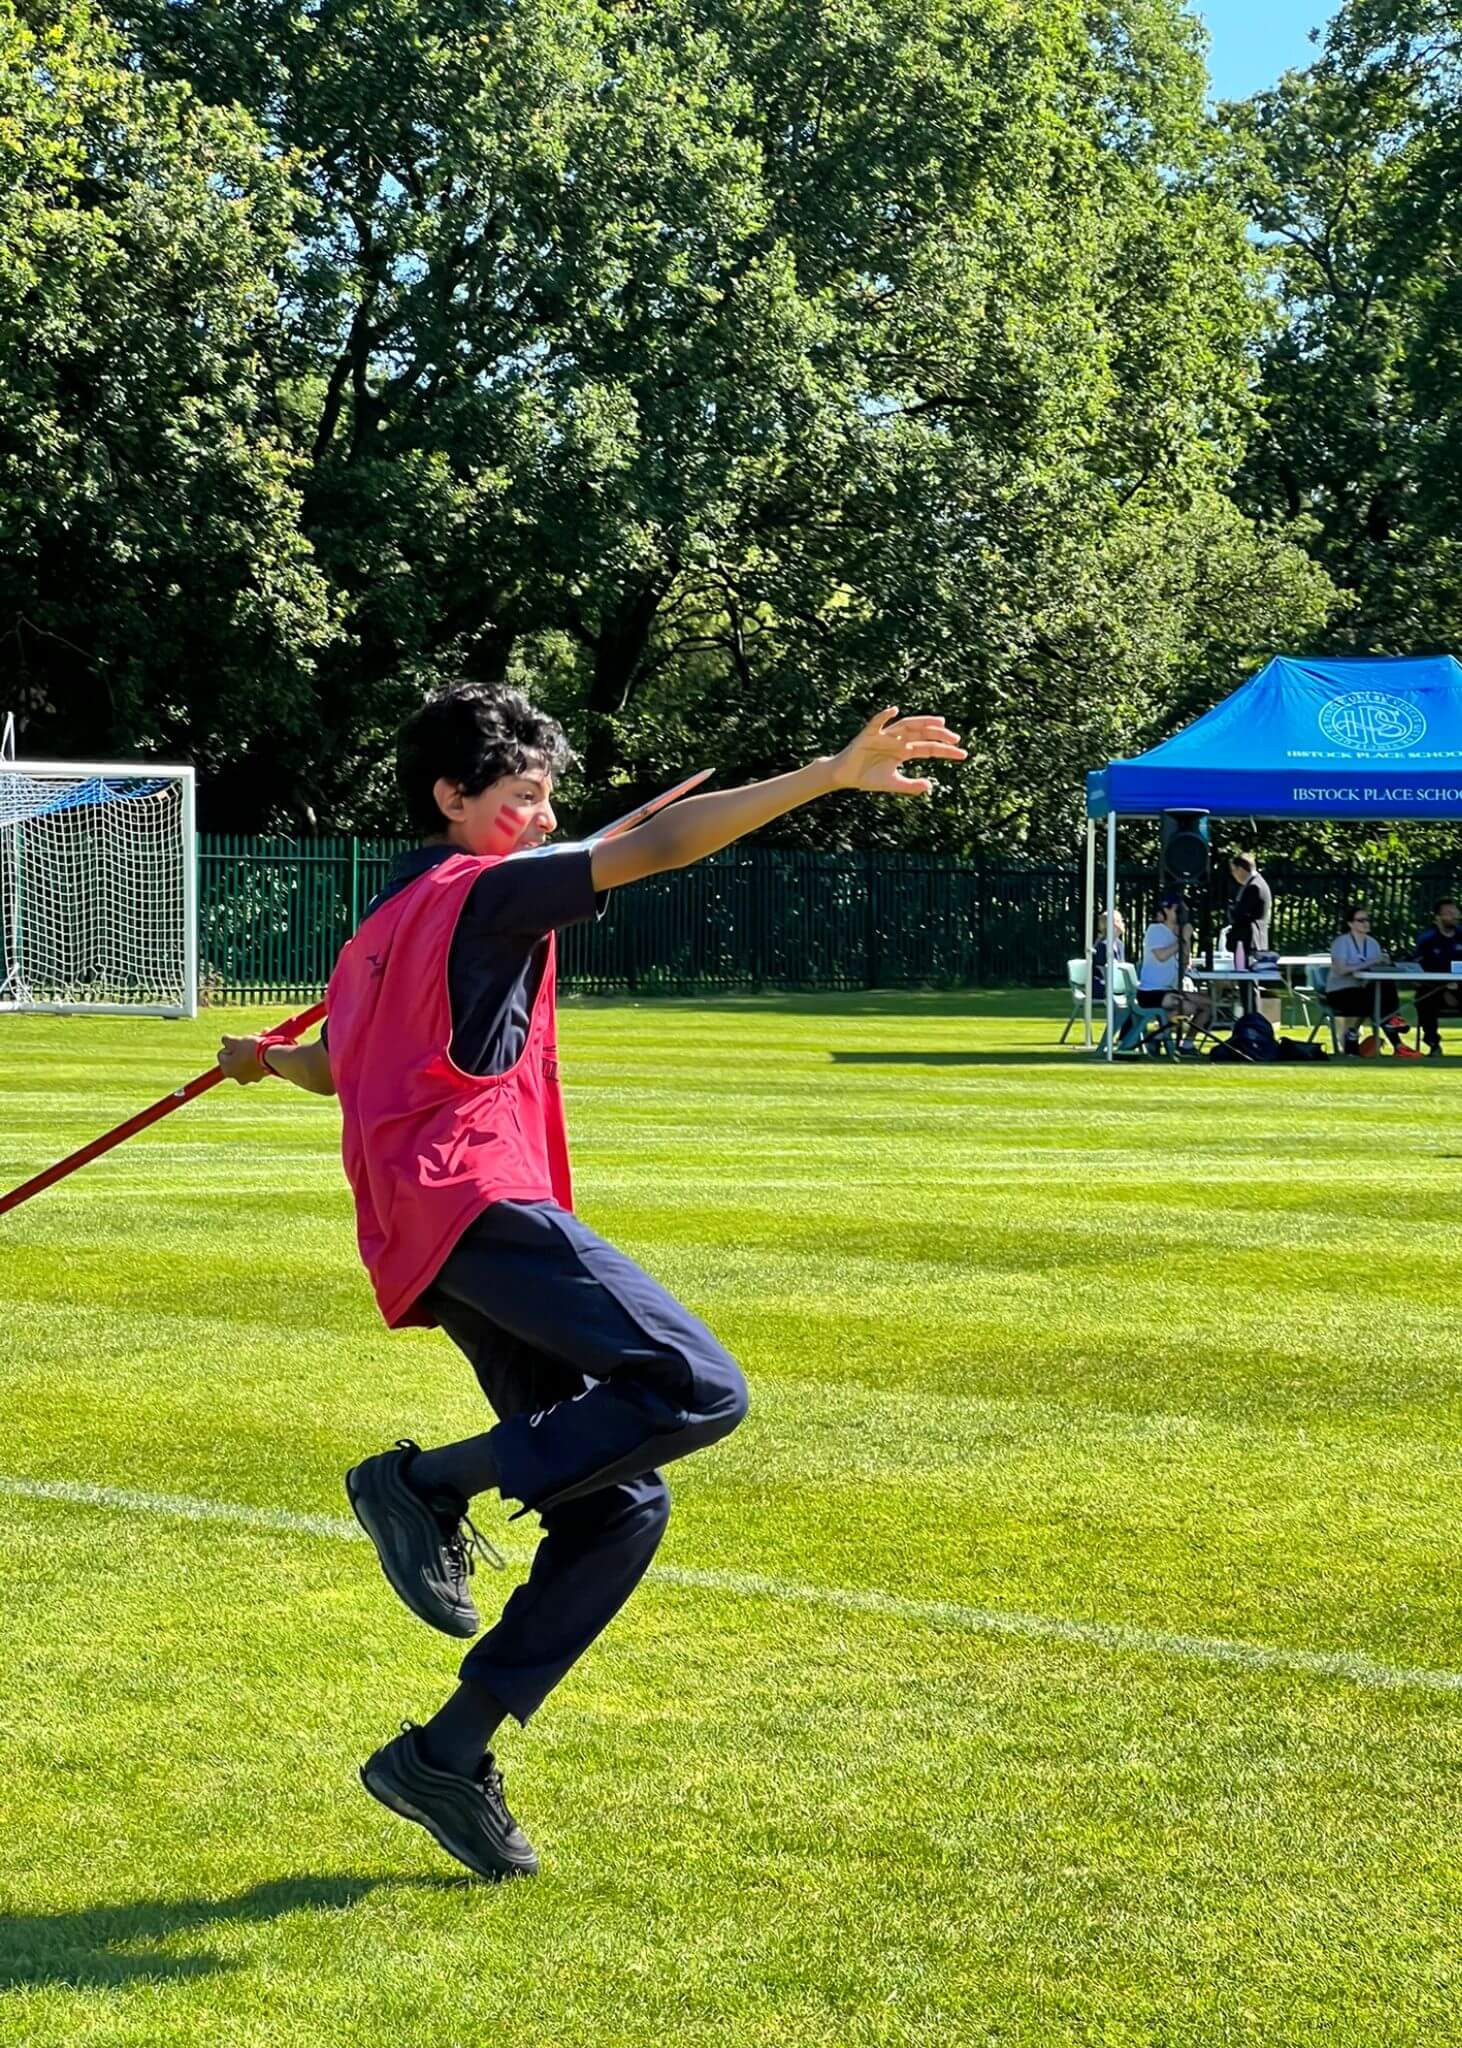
{"x": 98, "y": 888}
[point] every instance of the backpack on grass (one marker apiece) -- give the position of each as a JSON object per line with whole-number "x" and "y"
{"x": 1302, "y": 1049}
{"x": 1251, "y": 1039}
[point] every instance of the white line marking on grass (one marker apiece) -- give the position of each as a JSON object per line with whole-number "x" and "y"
{"x": 183, "y": 1507}
{"x": 1347, "y": 1665}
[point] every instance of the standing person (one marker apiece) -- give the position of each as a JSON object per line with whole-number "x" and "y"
{"x": 1160, "y": 978}
{"x": 1436, "y": 949}
{"x": 1248, "y": 932}
{"x": 1354, "y": 953}
{"x": 443, "y": 1050}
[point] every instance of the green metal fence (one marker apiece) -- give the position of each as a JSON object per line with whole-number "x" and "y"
{"x": 273, "y": 913}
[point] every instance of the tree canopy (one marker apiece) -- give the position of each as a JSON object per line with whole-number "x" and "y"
{"x": 157, "y": 590}
{"x": 716, "y": 371}
{"x": 1350, "y": 171}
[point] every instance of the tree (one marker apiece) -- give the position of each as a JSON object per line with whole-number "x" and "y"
{"x": 718, "y": 369}
{"x": 1350, "y": 168}
{"x": 156, "y": 592}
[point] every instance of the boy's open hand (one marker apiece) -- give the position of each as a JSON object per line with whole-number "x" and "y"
{"x": 874, "y": 759}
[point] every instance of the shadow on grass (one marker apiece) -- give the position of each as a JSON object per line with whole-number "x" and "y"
{"x": 1028, "y": 1056}
{"x": 1042, "y": 1005}
{"x": 109, "y": 1946}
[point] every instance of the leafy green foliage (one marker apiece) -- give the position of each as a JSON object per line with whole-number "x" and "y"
{"x": 721, "y": 371}
{"x": 1350, "y": 169}
{"x": 155, "y": 588}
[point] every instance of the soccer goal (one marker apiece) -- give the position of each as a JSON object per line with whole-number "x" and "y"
{"x": 98, "y": 888}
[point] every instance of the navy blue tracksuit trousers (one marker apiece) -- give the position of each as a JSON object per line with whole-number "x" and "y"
{"x": 597, "y": 1376}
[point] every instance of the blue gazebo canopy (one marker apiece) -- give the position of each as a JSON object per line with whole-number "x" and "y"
{"x": 1308, "y": 739}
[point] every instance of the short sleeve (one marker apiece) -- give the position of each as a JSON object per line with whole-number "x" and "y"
{"x": 534, "y": 894}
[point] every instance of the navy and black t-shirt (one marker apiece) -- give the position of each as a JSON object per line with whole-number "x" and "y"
{"x": 500, "y": 946}
{"x": 1436, "y": 949}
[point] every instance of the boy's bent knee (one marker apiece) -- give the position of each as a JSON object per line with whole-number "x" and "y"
{"x": 654, "y": 1504}
{"x": 726, "y": 1401}
{"x": 740, "y": 1397}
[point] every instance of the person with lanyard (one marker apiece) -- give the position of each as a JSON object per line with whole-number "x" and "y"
{"x": 1437, "y": 948}
{"x": 1355, "y": 953}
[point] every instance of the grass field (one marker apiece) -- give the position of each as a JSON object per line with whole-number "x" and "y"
{"x": 1068, "y": 1649}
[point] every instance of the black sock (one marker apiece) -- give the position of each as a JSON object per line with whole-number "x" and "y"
{"x": 457, "y": 1736}
{"x": 464, "y": 1469}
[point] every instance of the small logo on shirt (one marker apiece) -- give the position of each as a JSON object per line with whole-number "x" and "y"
{"x": 455, "y": 1161}
{"x": 550, "y": 1067}
{"x": 378, "y": 965}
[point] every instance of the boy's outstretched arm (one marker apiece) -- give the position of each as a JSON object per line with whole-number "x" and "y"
{"x": 702, "y": 825}
{"x": 307, "y": 1066}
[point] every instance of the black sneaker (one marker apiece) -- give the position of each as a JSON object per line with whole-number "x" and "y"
{"x": 468, "y": 1816}
{"x": 423, "y": 1544}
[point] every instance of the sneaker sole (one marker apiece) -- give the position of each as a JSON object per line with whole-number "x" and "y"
{"x": 407, "y": 1595}
{"x": 396, "y": 1802}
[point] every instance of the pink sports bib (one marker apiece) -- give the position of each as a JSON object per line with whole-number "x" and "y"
{"x": 427, "y": 1147}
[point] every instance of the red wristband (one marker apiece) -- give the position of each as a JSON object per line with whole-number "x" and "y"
{"x": 262, "y": 1044}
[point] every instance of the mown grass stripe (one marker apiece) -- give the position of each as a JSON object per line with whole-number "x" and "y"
{"x": 1347, "y": 1666}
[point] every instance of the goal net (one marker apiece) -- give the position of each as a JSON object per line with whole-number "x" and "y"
{"x": 98, "y": 905}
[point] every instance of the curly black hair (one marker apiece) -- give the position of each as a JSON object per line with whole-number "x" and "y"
{"x": 472, "y": 734}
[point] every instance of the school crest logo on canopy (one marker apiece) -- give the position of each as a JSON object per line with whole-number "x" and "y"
{"x": 1311, "y": 737}
{"x": 1372, "y": 722}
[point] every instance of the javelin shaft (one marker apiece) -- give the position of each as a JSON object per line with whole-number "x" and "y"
{"x": 189, "y": 1092}
{"x": 201, "y": 1083}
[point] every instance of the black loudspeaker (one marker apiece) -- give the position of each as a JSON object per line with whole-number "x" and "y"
{"x": 1185, "y": 849}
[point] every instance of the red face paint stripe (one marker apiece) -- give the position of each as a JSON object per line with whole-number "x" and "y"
{"x": 509, "y": 825}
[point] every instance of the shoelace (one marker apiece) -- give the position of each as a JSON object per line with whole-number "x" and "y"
{"x": 466, "y": 1542}
{"x": 460, "y": 1548}
{"x": 491, "y": 1782}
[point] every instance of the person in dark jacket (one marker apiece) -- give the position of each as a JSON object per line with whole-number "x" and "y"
{"x": 1436, "y": 949}
{"x": 1253, "y": 907}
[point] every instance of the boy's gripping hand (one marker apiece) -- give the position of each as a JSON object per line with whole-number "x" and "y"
{"x": 307, "y": 1066}
{"x": 875, "y": 758}
{"x": 238, "y": 1060}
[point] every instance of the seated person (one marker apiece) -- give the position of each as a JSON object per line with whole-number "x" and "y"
{"x": 1436, "y": 948}
{"x": 1160, "y": 981}
{"x": 1100, "y": 954}
{"x": 1353, "y": 953}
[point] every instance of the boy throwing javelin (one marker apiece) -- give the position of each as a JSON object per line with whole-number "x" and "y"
{"x": 443, "y": 1051}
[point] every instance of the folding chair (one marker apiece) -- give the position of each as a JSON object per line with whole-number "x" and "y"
{"x": 1154, "y": 1026}
{"x": 1308, "y": 997}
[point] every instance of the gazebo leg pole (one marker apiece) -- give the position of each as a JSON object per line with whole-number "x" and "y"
{"x": 1111, "y": 978}
{"x": 1091, "y": 918}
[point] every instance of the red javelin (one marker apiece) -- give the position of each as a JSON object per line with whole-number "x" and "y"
{"x": 189, "y": 1092}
